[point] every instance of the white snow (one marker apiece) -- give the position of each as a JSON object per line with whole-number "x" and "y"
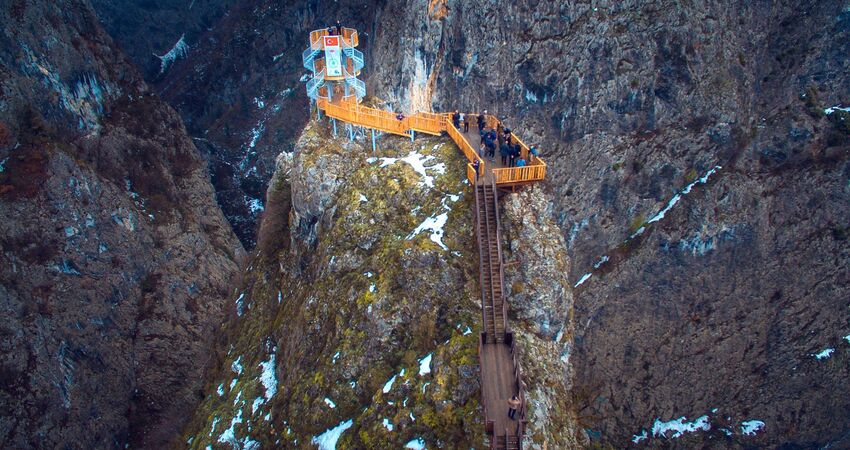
{"x": 330, "y": 403}
{"x": 467, "y": 331}
{"x": 233, "y": 383}
{"x": 847, "y": 338}
{"x": 255, "y": 205}
{"x": 387, "y": 424}
{"x": 279, "y": 296}
{"x": 214, "y": 423}
{"x": 425, "y": 386}
{"x": 369, "y": 274}
{"x": 640, "y": 437}
{"x": 259, "y": 102}
{"x": 304, "y": 77}
{"x": 220, "y": 390}
{"x": 583, "y": 279}
{"x": 680, "y": 426}
{"x": 425, "y": 365}
{"x": 256, "y": 133}
{"x": 372, "y": 287}
{"x": 751, "y": 427}
{"x": 389, "y": 384}
{"x": 415, "y": 444}
{"x": 257, "y": 402}
{"x": 410, "y": 414}
{"x": 240, "y": 305}
{"x": 238, "y": 397}
{"x": 335, "y": 357}
{"x": 229, "y": 435}
{"x": 530, "y": 96}
{"x": 2, "y": 164}
{"x": 328, "y": 439}
{"x": 601, "y": 261}
{"x": 831, "y": 110}
{"x": 434, "y": 224}
{"x": 180, "y": 50}
{"x": 268, "y": 377}
{"x": 417, "y": 161}
{"x": 826, "y": 353}
{"x": 236, "y": 367}
{"x": 363, "y": 198}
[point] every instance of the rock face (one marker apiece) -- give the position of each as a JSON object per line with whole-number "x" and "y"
{"x": 361, "y": 312}
{"x": 719, "y": 303}
{"x": 238, "y": 84}
{"x": 115, "y": 258}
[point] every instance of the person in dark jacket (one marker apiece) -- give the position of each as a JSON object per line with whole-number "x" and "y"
{"x": 466, "y": 123}
{"x": 338, "y": 28}
{"x": 504, "y": 152}
{"x": 476, "y": 165}
{"x": 481, "y": 122}
{"x": 456, "y": 119}
{"x": 491, "y": 147}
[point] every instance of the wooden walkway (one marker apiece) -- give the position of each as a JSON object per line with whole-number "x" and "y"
{"x": 497, "y": 352}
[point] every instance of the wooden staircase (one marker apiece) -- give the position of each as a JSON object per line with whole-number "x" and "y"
{"x": 496, "y": 339}
{"x": 490, "y": 264}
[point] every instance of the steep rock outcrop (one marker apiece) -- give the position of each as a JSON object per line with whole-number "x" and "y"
{"x": 631, "y": 102}
{"x": 115, "y": 257}
{"x": 361, "y": 314}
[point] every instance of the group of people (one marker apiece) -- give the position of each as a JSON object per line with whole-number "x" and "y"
{"x": 509, "y": 150}
{"x": 459, "y": 117}
{"x": 335, "y": 30}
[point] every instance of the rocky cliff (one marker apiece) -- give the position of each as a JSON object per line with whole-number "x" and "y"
{"x": 358, "y": 318}
{"x": 698, "y": 175}
{"x": 115, "y": 257}
{"x": 237, "y": 84}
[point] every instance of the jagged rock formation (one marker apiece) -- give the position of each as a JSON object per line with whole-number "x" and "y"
{"x": 364, "y": 301}
{"x": 115, "y": 258}
{"x": 722, "y": 303}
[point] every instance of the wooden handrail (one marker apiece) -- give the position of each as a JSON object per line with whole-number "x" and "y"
{"x": 350, "y": 111}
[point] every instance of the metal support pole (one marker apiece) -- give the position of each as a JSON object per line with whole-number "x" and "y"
{"x": 412, "y": 135}
{"x": 373, "y": 141}
{"x": 331, "y": 92}
{"x": 334, "y": 122}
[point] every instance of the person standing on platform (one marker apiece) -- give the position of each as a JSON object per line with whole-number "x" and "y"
{"x": 520, "y": 162}
{"x": 481, "y": 149}
{"x": 338, "y": 28}
{"x": 476, "y": 165}
{"x": 513, "y": 404}
{"x": 504, "y": 151}
{"x": 456, "y": 119}
{"x": 466, "y": 123}
{"x": 461, "y": 118}
{"x": 480, "y": 122}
